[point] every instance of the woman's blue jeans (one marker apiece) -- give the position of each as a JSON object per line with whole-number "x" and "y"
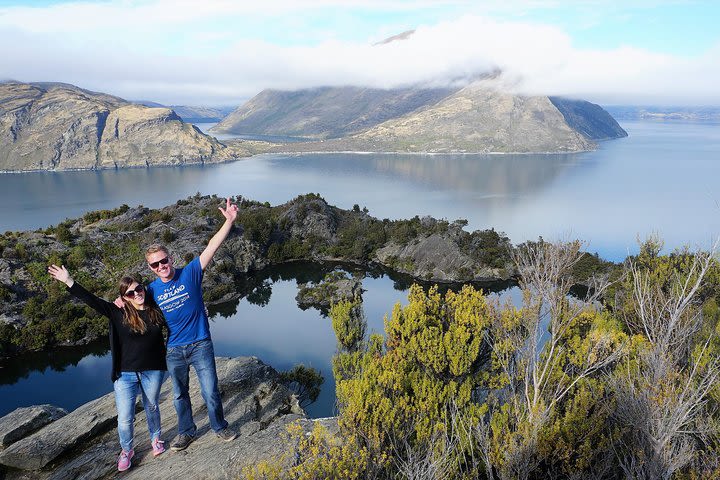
{"x": 201, "y": 355}
{"x": 126, "y": 390}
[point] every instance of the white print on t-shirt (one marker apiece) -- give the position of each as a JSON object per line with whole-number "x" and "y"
{"x": 172, "y": 299}
{"x": 163, "y": 297}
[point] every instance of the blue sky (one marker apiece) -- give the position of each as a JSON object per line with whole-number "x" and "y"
{"x": 222, "y": 52}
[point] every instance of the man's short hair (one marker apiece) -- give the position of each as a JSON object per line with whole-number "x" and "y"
{"x": 156, "y": 247}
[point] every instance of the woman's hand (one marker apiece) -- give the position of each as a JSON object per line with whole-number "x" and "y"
{"x": 61, "y": 274}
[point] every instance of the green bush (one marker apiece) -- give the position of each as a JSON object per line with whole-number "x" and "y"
{"x": 217, "y": 292}
{"x": 63, "y": 233}
{"x": 92, "y": 217}
{"x": 491, "y": 248}
{"x": 21, "y": 251}
{"x": 167, "y": 236}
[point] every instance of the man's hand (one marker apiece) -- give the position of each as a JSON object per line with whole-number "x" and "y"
{"x": 119, "y": 302}
{"x": 230, "y": 211}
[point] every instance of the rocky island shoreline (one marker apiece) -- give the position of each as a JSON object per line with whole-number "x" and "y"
{"x": 37, "y": 314}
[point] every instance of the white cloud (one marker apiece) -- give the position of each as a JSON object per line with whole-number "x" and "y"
{"x": 174, "y": 53}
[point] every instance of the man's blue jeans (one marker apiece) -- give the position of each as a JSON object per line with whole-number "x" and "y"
{"x": 126, "y": 389}
{"x": 201, "y": 356}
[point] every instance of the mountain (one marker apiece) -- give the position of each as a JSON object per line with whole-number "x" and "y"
{"x": 55, "y": 126}
{"x": 589, "y": 119}
{"x": 326, "y": 112}
{"x": 479, "y": 118}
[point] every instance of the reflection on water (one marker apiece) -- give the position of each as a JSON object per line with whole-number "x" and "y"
{"x": 67, "y": 377}
{"x": 265, "y": 322}
{"x": 493, "y": 175}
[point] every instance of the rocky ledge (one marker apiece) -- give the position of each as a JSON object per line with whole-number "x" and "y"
{"x": 84, "y": 444}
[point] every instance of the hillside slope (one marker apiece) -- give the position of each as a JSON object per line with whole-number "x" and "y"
{"x": 480, "y": 118}
{"x": 52, "y": 126}
{"x": 483, "y": 117}
{"x": 326, "y": 112}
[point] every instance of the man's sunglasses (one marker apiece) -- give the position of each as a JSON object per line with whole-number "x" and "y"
{"x": 164, "y": 261}
{"x": 131, "y": 293}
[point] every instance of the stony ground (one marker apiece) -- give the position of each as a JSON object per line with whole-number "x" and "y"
{"x": 83, "y": 444}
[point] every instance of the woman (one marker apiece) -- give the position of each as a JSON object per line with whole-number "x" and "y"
{"x": 138, "y": 356}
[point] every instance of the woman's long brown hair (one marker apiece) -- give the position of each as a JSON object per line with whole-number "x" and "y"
{"x": 131, "y": 317}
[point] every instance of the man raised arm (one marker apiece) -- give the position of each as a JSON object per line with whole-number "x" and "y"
{"x": 230, "y": 213}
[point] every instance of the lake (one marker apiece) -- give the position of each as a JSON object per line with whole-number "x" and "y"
{"x": 661, "y": 179}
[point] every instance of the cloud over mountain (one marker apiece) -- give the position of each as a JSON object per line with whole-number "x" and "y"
{"x": 224, "y": 53}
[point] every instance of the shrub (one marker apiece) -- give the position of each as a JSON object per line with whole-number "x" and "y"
{"x": 167, "y": 236}
{"x": 63, "y": 233}
{"x": 92, "y": 217}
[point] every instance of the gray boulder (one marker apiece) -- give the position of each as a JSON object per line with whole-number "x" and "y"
{"x": 44, "y": 446}
{"x": 22, "y": 422}
{"x": 436, "y": 257}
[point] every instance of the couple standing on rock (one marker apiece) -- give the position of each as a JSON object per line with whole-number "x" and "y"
{"x": 139, "y": 357}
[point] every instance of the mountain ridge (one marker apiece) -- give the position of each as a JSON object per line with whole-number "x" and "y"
{"x": 482, "y": 117}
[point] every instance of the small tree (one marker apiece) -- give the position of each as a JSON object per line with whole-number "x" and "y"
{"x": 395, "y": 394}
{"x": 664, "y": 391}
{"x": 543, "y": 354}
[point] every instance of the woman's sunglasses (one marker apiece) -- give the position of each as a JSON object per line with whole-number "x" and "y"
{"x": 131, "y": 293}
{"x": 154, "y": 265}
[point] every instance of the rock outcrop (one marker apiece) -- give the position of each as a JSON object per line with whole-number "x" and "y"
{"x": 83, "y": 443}
{"x": 22, "y": 422}
{"x": 46, "y": 126}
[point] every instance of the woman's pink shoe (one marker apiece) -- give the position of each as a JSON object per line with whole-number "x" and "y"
{"x": 158, "y": 447}
{"x": 124, "y": 460}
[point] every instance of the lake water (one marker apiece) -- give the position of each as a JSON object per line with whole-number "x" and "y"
{"x": 661, "y": 179}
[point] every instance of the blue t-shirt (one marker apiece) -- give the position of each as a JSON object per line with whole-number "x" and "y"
{"x": 181, "y": 301}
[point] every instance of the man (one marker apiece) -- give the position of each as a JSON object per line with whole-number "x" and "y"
{"x": 178, "y": 293}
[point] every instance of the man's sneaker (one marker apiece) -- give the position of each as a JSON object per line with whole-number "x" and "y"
{"x": 124, "y": 460}
{"x": 158, "y": 447}
{"x": 181, "y": 442}
{"x": 226, "y": 434}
